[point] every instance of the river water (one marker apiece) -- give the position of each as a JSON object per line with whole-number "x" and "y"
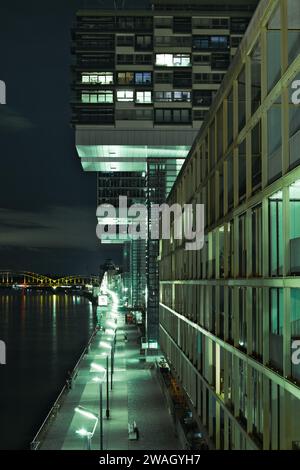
{"x": 45, "y": 335}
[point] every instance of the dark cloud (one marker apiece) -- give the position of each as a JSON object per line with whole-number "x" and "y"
{"x": 69, "y": 227}
{"x": 12, "y": 121}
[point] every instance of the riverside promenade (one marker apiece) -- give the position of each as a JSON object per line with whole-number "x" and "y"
{"x": 136, "y": 396}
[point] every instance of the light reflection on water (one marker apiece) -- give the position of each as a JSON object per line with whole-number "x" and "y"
{"x": 44, "y": 335}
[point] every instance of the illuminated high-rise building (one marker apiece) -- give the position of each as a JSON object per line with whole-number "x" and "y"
{"x": 143, "y": 81}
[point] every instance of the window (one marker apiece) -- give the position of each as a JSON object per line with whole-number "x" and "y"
{"x": 172, "y": 116}
{"x": 181, "y": 60}
{"x": 125, "y": 78}
{"x": 242, "y": 246}
{"x": 256, "y": 142}
{"x": 102, "y": 78}
{"x": 238, "y": 25}
{"x": 143, "y": 97}
{"x": 294, "y": 129}
{"x": 173, "y": 41}
{"x": 295, "y": 326}
{"x": 163, "y": 96}
{"x": 257, "y": 322}
{"x": 103, "y": 96}
{"x": 256, "y": 241}
{"x": 173, "y": 96}
{"x": 165, "y": 78}
{"x": 104, "y": 60}
{"x": 202, "y": 23}
{"x": 275, "y": 234}
{"x": 235, "y": 41}
{"x": 230, "y": 181}
{"x": 294, "y": 210}
{"x": 220, "y": 23}
{"x": 221, "y": 213}
{"x": 143, "y": 78}
{"x": 131, "y": 59}
{"x": 274, "y": 141}
{"x": 173, "y": 60}
{"x": 242, "y": 169}
{"x": 181, "y": 96}
{"x": 276, "y": 327}
{"x": 201, "y": 58}
{"x": 199, "y": 115}
{"x": 138, "y": 23}
{"x": 202, "y": 97}
{"x": 182, "y": 24}
{"x": 143, "y": 43}
{"x": 182, "y": 79}
{"x": 257, "y": 411}
{"x": 164, "y": 22}
{"x": 293, "y": 29}
{"x": 274, "y": 49}
{"x": 125, "y": 59}
{"x": 137, "y": 114}
{"x": 242, "y": 318}
{"x": 143, "y": 59}
{"x": 125, "y": 95}
{"x": 219, "y": 42}
{"x": 200, "y": 42}
{"x": 230, "y": 118}
{"x": 256, "y": 77}
{"x": 210, "y": 42}
{"x": 125, "y": 41}
{"x": 220, "y": 61}
{"x": 95, "y": 115}
{"x": 220, "y": 131}
{"x": 242, "y": 99}
{"x": 208, "y": 77}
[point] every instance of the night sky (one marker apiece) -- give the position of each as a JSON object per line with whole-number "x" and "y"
{"x": 47, "y": 203}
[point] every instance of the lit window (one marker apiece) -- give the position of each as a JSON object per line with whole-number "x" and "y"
{"x": 85, "y": 98}
{"x": 125, "y": 95}
{"x": 143, "y": 97}
{"x": 94, "y": 98}
{"x": 182, "y": 96}
{"x": 125, "y": 78}
{"x": 142, "y": 78}
{"x": 103, "y": 96}
{"x": 101, "y": 78}
{"x": 163, "y": 96}
{"x": 164, "y": 59}
{"x": 173, "y": 60}
{"x": 93, "y": 78}
{"x": 181, "y": 60}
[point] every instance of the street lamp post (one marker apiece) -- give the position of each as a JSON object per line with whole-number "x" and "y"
{"x": 111, "y": 368}
{"x": 107, "y": 389}
{"x": 101, "y": 416}
{"x": 83, "y": 432}
{"x": 99, "y": 368}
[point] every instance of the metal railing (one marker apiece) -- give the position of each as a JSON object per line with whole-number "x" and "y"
{"x": 41, "y": 434}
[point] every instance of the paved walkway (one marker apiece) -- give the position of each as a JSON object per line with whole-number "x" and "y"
{"x": 136, "y": 395}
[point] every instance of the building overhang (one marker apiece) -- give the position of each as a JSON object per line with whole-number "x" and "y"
{"x": 129, "y": 149}
{"x": 112, "y": 158}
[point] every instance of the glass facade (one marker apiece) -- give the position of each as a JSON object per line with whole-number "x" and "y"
{"x": 238, "y": 297}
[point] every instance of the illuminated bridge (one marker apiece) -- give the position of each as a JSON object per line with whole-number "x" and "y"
{"x": 9, "y": 278}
